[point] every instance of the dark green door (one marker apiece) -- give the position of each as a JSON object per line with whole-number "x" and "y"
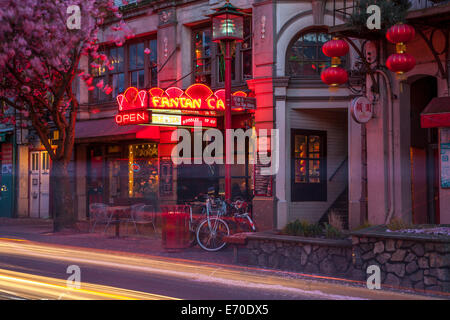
{"x": 6, "y": 179}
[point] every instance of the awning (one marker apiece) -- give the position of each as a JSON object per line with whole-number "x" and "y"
{"x": 108, "y": 130}
{"x": 436, "y": 113}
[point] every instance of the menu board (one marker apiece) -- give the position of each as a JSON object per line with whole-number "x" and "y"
{"x": 445, "y": 158}
{"x": 262, "y": 183}
{"x": 166, "y": 181}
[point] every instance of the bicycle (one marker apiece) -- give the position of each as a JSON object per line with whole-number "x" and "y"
{"x": 211, "y": 231}
{"x": 213, "y": 228}
{"x": 194, "y": 220}
{"x": 241, "y": 217}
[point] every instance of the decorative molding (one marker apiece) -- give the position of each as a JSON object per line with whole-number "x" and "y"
{"x": 318, "y": 9}
{"x": 167, "y": 16}
{"x": 328, "y": 98}
{"x": 263, "y": 27}
{"x": 165, "y": 41}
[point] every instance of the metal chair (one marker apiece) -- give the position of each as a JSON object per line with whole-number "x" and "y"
{"x": 133, "y": 209}
{"x": 144, "y": 215}
{"x": 99, "y": 213}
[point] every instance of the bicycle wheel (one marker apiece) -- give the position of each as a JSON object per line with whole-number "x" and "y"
{"x": 210, "y": 235}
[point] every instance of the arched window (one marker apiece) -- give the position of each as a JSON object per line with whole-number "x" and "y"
{"x": 304, "y": 56}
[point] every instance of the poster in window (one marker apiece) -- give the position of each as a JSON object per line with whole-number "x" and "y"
{"x": 166, "y": 181}
{"x": 262, "y": 183}
{"x": 445, "y": 158}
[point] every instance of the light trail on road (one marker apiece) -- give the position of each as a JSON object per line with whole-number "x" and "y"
{"x": 30, "y": 286}
{"x": 193, "y": 271}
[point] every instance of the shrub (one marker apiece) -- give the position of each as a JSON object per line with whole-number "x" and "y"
{"x": 305, "y": 229}
{"x": 332, "y": 232}
{"x": 398, "y": 224}
{"x": 366, "y": 224}
{"x": 335, "y": 220}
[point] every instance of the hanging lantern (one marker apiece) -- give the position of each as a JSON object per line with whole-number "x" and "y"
{"x": 400, "y": 63}
{"x": 335, "y": 48}
{"x": 400, "y": 33}
{"x": 334, "y": 76}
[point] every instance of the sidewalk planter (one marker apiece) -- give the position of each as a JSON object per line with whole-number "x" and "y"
{"x": 418, "y": 261}
{"x": 175, "y": 228}
{"x": 300, "y": 254}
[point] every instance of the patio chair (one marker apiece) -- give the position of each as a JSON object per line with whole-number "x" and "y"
{"x": 99, "y": 214}
{"x": 144, "y": 215}
{"x": 133, "y": 209}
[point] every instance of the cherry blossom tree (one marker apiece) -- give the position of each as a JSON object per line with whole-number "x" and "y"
{"x": 40, "y": 49}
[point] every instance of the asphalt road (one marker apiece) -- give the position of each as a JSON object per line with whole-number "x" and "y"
{"x": 38, "y": 271}
{"x": 152, "y": 283}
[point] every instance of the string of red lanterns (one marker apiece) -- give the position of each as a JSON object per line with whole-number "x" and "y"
{"x": 335, "y": 75}
{"x": 401, "y": 61}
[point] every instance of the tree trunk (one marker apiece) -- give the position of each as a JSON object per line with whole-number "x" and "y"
{"x": 62, "y": 202}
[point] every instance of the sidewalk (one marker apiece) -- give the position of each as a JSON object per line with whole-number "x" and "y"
{"x": 148, "y": 242}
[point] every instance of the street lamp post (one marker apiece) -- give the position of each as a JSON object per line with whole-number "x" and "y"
{"x": 227, "y": 27}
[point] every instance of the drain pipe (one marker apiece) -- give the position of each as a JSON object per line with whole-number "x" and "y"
{"x": 391, "y": 144}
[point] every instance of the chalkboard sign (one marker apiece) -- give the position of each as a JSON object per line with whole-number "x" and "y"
{"x": 262, "y": 183}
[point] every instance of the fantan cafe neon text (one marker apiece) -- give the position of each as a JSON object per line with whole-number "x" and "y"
{"x": 196, "y": 97}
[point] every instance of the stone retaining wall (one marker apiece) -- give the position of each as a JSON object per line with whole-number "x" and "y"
{"x": 409, "y": 261}
{"x": 320, "y": 256}
{"x": 406, "y": 260}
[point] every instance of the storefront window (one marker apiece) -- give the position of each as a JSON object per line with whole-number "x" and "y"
{"x": 143, "y": 179}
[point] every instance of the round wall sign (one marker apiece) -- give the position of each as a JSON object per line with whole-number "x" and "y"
{"x": 361, "y": 109}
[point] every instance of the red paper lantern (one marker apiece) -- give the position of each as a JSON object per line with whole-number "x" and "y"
{"x": 335, "y": 48}
{"x": 400, "y": 62}
{"x": 334, "y": 76}
{"x": 400, "y": 33}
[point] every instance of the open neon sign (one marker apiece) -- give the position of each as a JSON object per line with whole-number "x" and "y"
{"x": 132, "y": 117}
{"x": 196, "y": 97}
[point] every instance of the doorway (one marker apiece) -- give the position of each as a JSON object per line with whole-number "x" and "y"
{"x": 39, "y": 184}
{"x": 424, "y": 155}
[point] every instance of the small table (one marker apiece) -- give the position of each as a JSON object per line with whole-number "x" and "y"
{"x": 117, "y": 213}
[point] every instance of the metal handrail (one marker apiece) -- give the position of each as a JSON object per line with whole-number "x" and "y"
{"x": 338, "y": 168}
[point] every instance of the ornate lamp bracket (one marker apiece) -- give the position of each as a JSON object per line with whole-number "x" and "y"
{"x": 367, "y": 64}
{"x": 443, "y": 68}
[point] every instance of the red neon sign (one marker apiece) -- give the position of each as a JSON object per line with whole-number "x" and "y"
{"x": 132, "y": 99}
{"x": 196, "y": 97}
{"x": 197, "y": 121}
{"x": 134, "y": 117}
